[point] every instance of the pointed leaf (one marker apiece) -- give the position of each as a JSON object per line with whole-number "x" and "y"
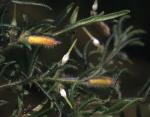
{"x": 74, "y": 15}
{"x": 90, "y": 20}
{"x": 31, "y": 3}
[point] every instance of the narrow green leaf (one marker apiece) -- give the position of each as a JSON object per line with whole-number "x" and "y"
{"x": 74, "y": 15}
{"x": 31, "y": 3}
{"x": 78, "y": 52}
{"x": 90, "y": 20}
{"x": 135, "y": 32}
{"x": 120, "y": 105}
{"x": 137, "y": 43}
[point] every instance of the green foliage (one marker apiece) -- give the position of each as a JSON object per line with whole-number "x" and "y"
{"x": 90, "y": 20}
{"x": 120, "y": 105}
{"x": 27, "y": 71}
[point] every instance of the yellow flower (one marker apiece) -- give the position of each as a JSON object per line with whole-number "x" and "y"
{"x": 101, "y": 82}
{"x": 42, "y": 40}
{"x": 38, "y": 40}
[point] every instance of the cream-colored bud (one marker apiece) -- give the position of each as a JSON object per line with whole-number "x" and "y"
{"x": 63, "y": 93}
{"x": 95, "y": 42}
{"x": 95, "y": 5}
{"x": 65, "y": 59}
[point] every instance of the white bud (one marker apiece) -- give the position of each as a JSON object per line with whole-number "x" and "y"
{"x": 63, "y": 93}
{"x": 95, "y": 5}
{"x": 95, "y": 42}
{"x": 65, "y": 59}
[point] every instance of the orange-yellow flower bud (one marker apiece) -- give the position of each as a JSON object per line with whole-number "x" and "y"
{"x": 42, "y": 40}
{"x": 101, "y": 82}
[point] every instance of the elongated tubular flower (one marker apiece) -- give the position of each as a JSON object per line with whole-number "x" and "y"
{"x": 101, "y": 82}
{"x": 38, "y": 40}
{"x": 42, "y": 40}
